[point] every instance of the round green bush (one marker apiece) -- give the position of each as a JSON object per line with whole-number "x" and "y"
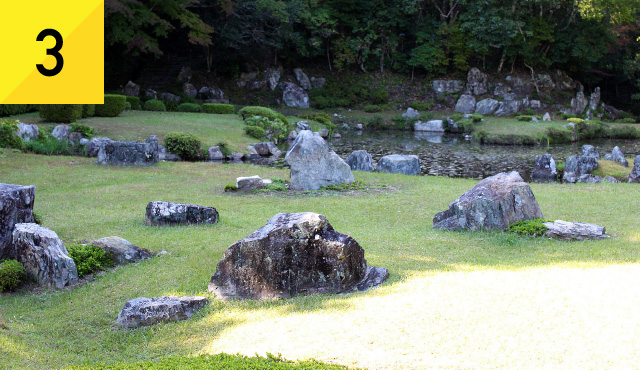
{"x": 89, "y": 258}
{"x": 155, "y": 105}
{"x": 189, "y": 107}
{"x": 135, "y": 102}
{"x": 112, "y": 107}
{"x": 252, "y": 111}
{"x": 88, "y": 110}
{"x": 255, "y": 132}
{"x": 61, "y": 113}
{"x": 218, "y": 108}
{"x": 184, "y": 144}
{"x": 12, "y": 273}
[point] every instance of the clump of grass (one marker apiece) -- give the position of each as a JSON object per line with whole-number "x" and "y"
{"x": 534, "y": 227}
{"x": 89, "y": 258}
{"x": 613, "y": 168}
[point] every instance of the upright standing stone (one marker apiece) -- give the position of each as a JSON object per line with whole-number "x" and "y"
{"x": 314, "y": 165}
{"x": 594, "y": 99}
{"x": 544, "y": 169}
{"x": 634, "y": 176}
{"x": 16, "y": 206}
{"x": 492, "y": 204}
{"x": 360, "y": 160}
{"x": 43, "y": 255}
{"x": 302, "y": 78}
{"x": 293, "y": 254}
{"x": 161, "y": 213}
{"x": 399, "y": 163}
{"x": 477, "y": 82}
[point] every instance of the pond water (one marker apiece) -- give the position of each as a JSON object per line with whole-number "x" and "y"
{"x": 453, "y": 156}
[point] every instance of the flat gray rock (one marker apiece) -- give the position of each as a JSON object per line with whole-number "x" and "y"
{"x": 129, "y": 153}
{"x": 123, "y": 251}
{"x": 565, "y": 230}
{"x": 160, "y": 213}
{"x": 149, "y": 311}
{"x": 399, "y": 163}
{"x": 435, "y": 125}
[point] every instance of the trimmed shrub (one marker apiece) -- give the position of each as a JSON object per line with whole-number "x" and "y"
{"x": 135, "y": 102}
{"x": 61, "y": 113}
{"x": 275, "y": 129}
{"x": 466, "y": 125}
{"x": 12, "y": 109}
{"x": 253, "y": 111}
{"x": 88, "y": 110}
{"x": 184, "y": 144}
{"x": 218, "y": 108}
{"x": 627, "y": 120}
{"x": 112, "y": 107}
{"x": 12, "y": 273}
{"x": 155, "y": 105}
{"x": 171, "y": 105}
{"x": 567, "y": 116}
{"x": 189, "y": 107}
{"x": 255, "y": 132}
{"x": 89, "y": 258}
{"x": 8, "y": 136}
{"x": 421, "y": 106}
{"x": 456, "y": 117}
{"x": 624, "y": 132}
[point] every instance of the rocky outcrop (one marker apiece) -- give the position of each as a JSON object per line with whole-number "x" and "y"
{"x": 616, "y": 155}
{"x": 634, "y": 176}
{"x": 131, "y": 89}
{"x": 487, "y": 106}
{"x": 492, "y": 204}
{"x": 16, "y": 206}
{"x": 148, "y": 311}
{"x": 293, "y": 254}
{"x": 563, "y": 81}
{"x": 447, "y": 86}
{"x": 520, "y": 86}
{"x": 477, "y": 82}
{"x": 508, "y": 107}
{"x": 61, "y": 132}
{"x": 435, "y": 125}
{"x": 545, "y": 83}
{"x": 594, "y": 99}
{"x": 43, "y": 255}
{"x": 294, "y": 97}
{"x": 466, "y": 104}
{"x": 161, "y": 213}
{"x": 399, "y": 163}
{"x": 27, "y": 132}
{"x": 544, "y": 169}
{"x": 272, "y": 76}
{"x": 211, "y": 93}
{"x": 564, "y": 230}
{"x": 314, "y": 165}
{"x": 129, "y": 153}
{"x": 302, "y": 78}
{"x": 360, "y": 160}
{"x": 576, "y": 166}
{"x": 318, "y": 82}
{"x": 122, "y": 250}
{"x": 579, "y": 103}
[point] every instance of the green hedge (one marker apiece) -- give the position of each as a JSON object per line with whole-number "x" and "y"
{"x": 88, "y": 110}
{"x": 112, "y": 107}
{"x": 135, "y": 102}
{"x": 189, "y": 107}
{"x": 252, "y": 111}
{"x": 184, "y": 144}
{"x": 218, "y": 108}
{"x": 12, "y": 273}
{"x": 221, "y": 361}
{"x": 155, "y": 105}
{"x": 61, "y": 113}
{"x": 11, "y": 109}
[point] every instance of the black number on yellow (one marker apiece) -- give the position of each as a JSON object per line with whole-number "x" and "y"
{"x": 55, "y": 52}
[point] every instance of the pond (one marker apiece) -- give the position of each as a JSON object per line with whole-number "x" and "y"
{"x": 453, "y": 156}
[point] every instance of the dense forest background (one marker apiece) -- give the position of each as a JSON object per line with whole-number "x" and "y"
{"x": 594, "y": 41}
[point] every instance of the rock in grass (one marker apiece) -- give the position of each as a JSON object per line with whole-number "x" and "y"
{"x": 399, "y": 163}
{"x": 16, "y": 206}
{"x": 293, "y": 254}
{"x": 360, "y": 160}
{"x": 250, "y": 183}
{"x": 129, "y": 153}
{"x": 565, "y": 230}
{"x": 492, "y": 204}
{"x": 161, "y": 213}
{"x": 123, "y": 251}
{"x": 43, "y": 255}
{"x": 545, "y": 169}
{"x": 576, "y": 166}
{"x": 314, "y": 165}
{"x": 148, "y": 311}
{"x": 616, "y": 155}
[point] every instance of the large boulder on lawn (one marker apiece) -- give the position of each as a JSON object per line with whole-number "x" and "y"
{"x": 399, "y": 163}
{"x": 564, "y": 230}
{"x": 576, "y": 166}
{"x": 360, "y": 160}
{"x": 634, "y": 176}
{"x": 293, "y": 254}
{"x": 129, "y": 153}
{"x": 161, "y": 213}
{"x": 123, "y": 251}
{"x": 148, "y": 311}
{"x": 545, "y": 169}
{"x": 466, "y": 104}
{"x": 492, "y": 204}
{"x": 294, "y": 97}
{"x": 43, "y": 255}
{"x": 314, "y": 165}
{"x": 616, "y": 155}
{"x": 16, "y": 206}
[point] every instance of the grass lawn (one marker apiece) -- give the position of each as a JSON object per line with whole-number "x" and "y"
{"x": 454, "y": 300}
{"x": 505, "y": 125}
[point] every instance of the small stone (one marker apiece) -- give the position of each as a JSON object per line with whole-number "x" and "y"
{"x": 250, "y": 183}
{"x": 574, "y": 230}
{"x": 324, "y": 133}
